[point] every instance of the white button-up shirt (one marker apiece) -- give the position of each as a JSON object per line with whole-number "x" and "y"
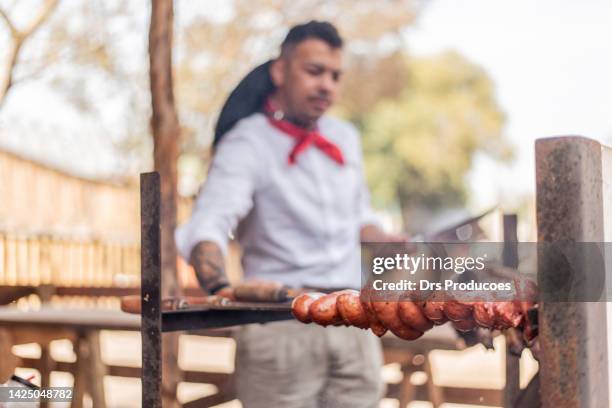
{"x": 297, "y": 224}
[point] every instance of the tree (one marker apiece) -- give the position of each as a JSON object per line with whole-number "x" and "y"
{"x": 166, "y": 134}
{"x": 18, "y": 37}
{"x": 215, "y": 54}
{"x": 369, "y": 80}
{"x": 420, "y": 146}
{"x": 93, "y": 55}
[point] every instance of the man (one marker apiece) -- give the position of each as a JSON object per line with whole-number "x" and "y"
{"x": 289, "y": 181}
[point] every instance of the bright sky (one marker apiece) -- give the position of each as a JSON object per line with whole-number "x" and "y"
{"x": 551, "y": 61}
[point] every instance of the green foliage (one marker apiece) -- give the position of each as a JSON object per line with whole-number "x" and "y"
{"x": 419, "y": 146}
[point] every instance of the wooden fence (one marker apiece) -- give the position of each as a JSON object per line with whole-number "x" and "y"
{"x": 39, "y": 259}
{"x": 64, "y": 230}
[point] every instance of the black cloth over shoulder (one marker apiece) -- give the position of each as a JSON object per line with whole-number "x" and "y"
{"x": 247, "y": 98}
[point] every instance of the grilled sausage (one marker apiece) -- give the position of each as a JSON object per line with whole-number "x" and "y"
{"x": 465, "y": 325}
{"x": 484, "y": 314}
{"x": 351, "y": 310}
{"x": 507, "y": 314}
{"x": 375, "y": 325}
{"x": 406, "y": 318}
{"x": 411, "y": 314}
{"x": 458, "y": 311}
{"x": 323, "y": 310}
{"x": 434, "y": 310}
{"x": 387, "y": 313}
{"x": 301, "y": 304}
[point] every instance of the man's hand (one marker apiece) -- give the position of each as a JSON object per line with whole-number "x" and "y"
{"x": 207, "y": 260}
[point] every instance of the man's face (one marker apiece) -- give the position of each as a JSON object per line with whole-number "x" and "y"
{"x": 308, "y": 79}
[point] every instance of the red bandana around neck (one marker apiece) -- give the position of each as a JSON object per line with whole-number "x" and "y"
{"x": 304, "y": 137}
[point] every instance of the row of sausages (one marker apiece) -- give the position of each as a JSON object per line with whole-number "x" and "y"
{"x": 408, "y": 319}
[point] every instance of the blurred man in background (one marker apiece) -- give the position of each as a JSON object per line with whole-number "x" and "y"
{"x": 288, "y": 181}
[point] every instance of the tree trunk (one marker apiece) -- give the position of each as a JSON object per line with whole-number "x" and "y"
{"x": 166, "y": 134}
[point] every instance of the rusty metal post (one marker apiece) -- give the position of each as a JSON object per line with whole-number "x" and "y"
{"x": 573, "y": 335}
{"x": 511, "y": 260}
{"x": 150, "y": 281}
{"x": 510, "y": 255}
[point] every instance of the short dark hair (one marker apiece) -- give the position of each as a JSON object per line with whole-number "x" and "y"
{"x": 251, "y": 93}
{"x": 321, "y": 30}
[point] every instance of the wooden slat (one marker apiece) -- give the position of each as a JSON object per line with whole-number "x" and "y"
{"x": 10, "y": 261}
{"x": 30, "y": 260}
{"x": 45, "y": 260}
{"x": 49, "y": 318}
{"x": 215, "y": 399}
{"x": 472, "y": 396}
{"x": 2, "y": 261}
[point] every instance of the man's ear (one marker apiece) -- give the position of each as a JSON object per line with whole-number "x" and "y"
{"x": 277, "y": 72}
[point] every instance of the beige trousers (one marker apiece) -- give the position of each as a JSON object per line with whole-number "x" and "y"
{"x": 291, "y": 364}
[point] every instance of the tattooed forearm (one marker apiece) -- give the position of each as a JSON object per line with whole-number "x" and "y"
{"x": 209, "y": 265}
